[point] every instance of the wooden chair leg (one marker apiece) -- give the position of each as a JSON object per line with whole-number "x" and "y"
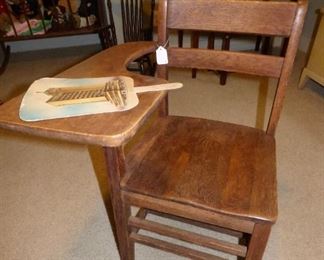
{"x": 103, "y": 39}
{"x": 303, "y": 78}
{"x": 180, "y": 38}
{"x": 141, "y": 66}
{"x": 164, "y": 107}
{"x": 266, "y": 45}
{"x": 244, "y": 241}
{"x": 194, "y": 44}
{"x": 151, "y": 68}
{"x": 284, "y": 47}
{"x": 211, "y": 41}
{"x": 115, "y": 159}
{"x": 6, "y": 55}
{"x": 225, "y": 47}
{"x": 258, "y": 241}
{"x": 223, "y": 77}
{"x": 258, "y": 43}
{"x": 130, "y": 243}
{"x": 107, "y": 37}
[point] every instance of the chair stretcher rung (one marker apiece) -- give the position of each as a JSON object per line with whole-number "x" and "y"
{"x": 140, "y": 214}
{"x": 176, "y": 249}
{"x": 181, "y": 210}
{"x": 188, "y": 236}
{"x": 226, "y": 231}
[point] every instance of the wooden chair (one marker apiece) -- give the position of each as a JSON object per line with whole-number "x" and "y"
{"x": 216, "y": 175}
{"x": 138, "y": 18}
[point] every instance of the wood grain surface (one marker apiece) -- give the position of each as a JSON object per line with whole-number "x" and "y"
{"x": 108, "y": 129}
{"x": 211, "y": 165}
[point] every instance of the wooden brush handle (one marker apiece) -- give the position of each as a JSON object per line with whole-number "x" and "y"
{"x": 160, "y": 87}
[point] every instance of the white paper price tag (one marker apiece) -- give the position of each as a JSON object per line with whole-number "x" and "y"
{"x": 161, "y": 56}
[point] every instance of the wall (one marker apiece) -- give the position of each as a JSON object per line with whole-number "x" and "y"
{"x": 310, "y": 21}
{"x": 93, "y": 39}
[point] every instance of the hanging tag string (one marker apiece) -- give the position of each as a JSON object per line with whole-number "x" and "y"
{"x": 164, "y": 45}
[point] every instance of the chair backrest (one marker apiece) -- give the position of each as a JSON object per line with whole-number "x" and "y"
{"x": 137, "y": 18}
{"x": 108, "y": 21}
{"x": 284, "y": 19}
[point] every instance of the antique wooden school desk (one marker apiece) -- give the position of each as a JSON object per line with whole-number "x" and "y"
{"x": 109, "y": 130}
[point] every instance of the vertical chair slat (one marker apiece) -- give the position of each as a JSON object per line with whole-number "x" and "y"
{"x": 137, "y": 15}
{"x": 140, "y": 24}
{"x": 127, "y": 20}
{"x": 132, "y": 21}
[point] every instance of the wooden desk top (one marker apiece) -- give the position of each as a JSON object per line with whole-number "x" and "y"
{"x": 108, "y": 129}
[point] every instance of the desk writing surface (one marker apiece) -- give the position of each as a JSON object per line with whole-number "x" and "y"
{"x": 107, "y": 129}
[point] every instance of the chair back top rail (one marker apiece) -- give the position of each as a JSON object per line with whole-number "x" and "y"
{"x": 284, "y": 19}
{"x": 263, "y": 17}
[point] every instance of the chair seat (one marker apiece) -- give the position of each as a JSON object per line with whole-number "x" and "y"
{"x": 212, "y": 165}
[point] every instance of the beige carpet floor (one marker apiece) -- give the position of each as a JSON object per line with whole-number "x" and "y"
{"x": 51, "y": 205}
